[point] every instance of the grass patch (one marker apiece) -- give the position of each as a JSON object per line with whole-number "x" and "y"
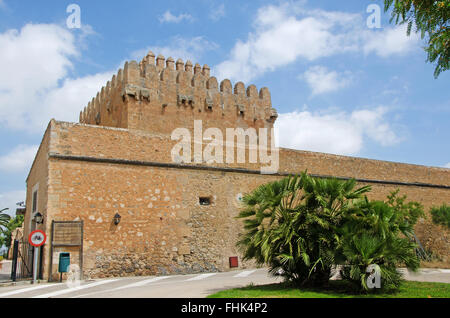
{"x": 336, "y": 289}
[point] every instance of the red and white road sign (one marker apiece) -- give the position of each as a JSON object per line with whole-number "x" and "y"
{"x": 37, "y": 238}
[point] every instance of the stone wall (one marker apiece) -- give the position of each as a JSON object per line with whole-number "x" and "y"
{"x": 163, "y": 229}
{"x": 134, "y": 145}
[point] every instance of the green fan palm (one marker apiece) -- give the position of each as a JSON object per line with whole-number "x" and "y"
{"x": 290, "y": 224}
{"x": 368, "y": 249}
{"x": 375, "y": 233}
{"x": 301, "y": 226}
{"x": 4, "y": 219}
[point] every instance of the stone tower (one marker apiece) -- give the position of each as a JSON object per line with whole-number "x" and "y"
{"x": 160, "y": 96}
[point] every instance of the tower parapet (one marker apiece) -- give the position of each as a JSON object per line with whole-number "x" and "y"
{"x": 159, "y": 95}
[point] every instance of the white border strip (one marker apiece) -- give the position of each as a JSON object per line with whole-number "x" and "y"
{"x": 200, "y": 277}
{"x": 25, "y": 290}
{"x": 71, "y": 290}
{"x": 245, "y": 273}
{"x": 141, "y": 283}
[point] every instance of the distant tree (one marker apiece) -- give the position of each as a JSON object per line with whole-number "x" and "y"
{"x": 431, "y": 19}
{"x": 5, "y": 236}
{"x": 4, "y": 219}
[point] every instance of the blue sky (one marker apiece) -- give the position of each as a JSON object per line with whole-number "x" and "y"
{"x": 338, "y": 85}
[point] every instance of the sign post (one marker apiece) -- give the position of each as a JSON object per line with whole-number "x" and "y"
{"x": 36, "y": 239}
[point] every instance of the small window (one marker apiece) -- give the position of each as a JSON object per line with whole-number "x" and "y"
{"x": 205, "y": 201}
{"x": 34, "y": 201}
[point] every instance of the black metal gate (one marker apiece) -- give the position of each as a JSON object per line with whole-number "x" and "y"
{"x": 22, "y": 262}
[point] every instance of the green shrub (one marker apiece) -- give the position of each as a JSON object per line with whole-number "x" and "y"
{"x": 441, "y": 215}
{"x": 377, "y": 232}
{"x": 302, "y": 226}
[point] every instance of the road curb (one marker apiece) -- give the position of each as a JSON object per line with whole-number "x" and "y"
{"x": 428, "y": 270}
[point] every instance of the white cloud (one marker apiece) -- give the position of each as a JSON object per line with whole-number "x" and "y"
{"x": 334, "y": 132}
{"x": 285, "y": 33}
{"x": 280, "y": 38}
{"x": 217, "y": 12}
{"x": 66, "y": 102}
{"x": 391, "y": 41}
{"x": 321, "y": 80}
{"x": 373, "y": 124}
{"x": 34, "y": 82}
{"x": 34, "y": 57}
{"x": 9, "y": 200}
{"x": 168, "y": 17}
{"x": 19, "y": 159}
{"x": 186, "y": 49}
{"x": 447, "y": 165}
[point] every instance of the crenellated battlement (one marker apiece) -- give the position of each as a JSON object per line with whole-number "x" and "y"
{"x": 159, "y": 94}
{"x": 104, "y": 102}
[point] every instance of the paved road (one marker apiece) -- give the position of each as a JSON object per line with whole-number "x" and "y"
{"x": 181, "y": 286}
{"x": 428, "y": 275}
{"x": 178, "y": 286}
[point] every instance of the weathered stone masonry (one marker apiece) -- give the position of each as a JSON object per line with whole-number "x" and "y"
{"x": 117, "y": 160}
